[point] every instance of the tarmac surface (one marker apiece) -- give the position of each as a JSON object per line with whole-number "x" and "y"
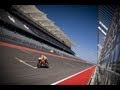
{"x": 18, "y": 66}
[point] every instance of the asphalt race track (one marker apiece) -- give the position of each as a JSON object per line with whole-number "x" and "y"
{"x": 18, "y": 67}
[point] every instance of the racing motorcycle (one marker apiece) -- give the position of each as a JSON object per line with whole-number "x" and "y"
{"x": 43, "y": 64}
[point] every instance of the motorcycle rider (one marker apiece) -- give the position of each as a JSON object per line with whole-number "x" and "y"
{"x": 42, "y": 58}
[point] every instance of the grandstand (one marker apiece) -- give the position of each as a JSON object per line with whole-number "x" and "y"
{"x": 27, "y": 26}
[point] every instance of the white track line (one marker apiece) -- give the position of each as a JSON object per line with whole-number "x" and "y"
{"x": 70, "y": 76}
{"x": 25, "y": 63}
{"x": 29, "y": 61}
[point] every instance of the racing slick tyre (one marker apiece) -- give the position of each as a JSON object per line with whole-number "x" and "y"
{"x": 38, "y": 65}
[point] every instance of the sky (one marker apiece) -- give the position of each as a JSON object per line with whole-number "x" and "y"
{"x": 79, "y": 23}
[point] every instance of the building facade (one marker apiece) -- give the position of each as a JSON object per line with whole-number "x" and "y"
{"x": 108, "y": 67}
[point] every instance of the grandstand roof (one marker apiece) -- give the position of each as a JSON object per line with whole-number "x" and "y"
{"x": 41, "y": 19}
